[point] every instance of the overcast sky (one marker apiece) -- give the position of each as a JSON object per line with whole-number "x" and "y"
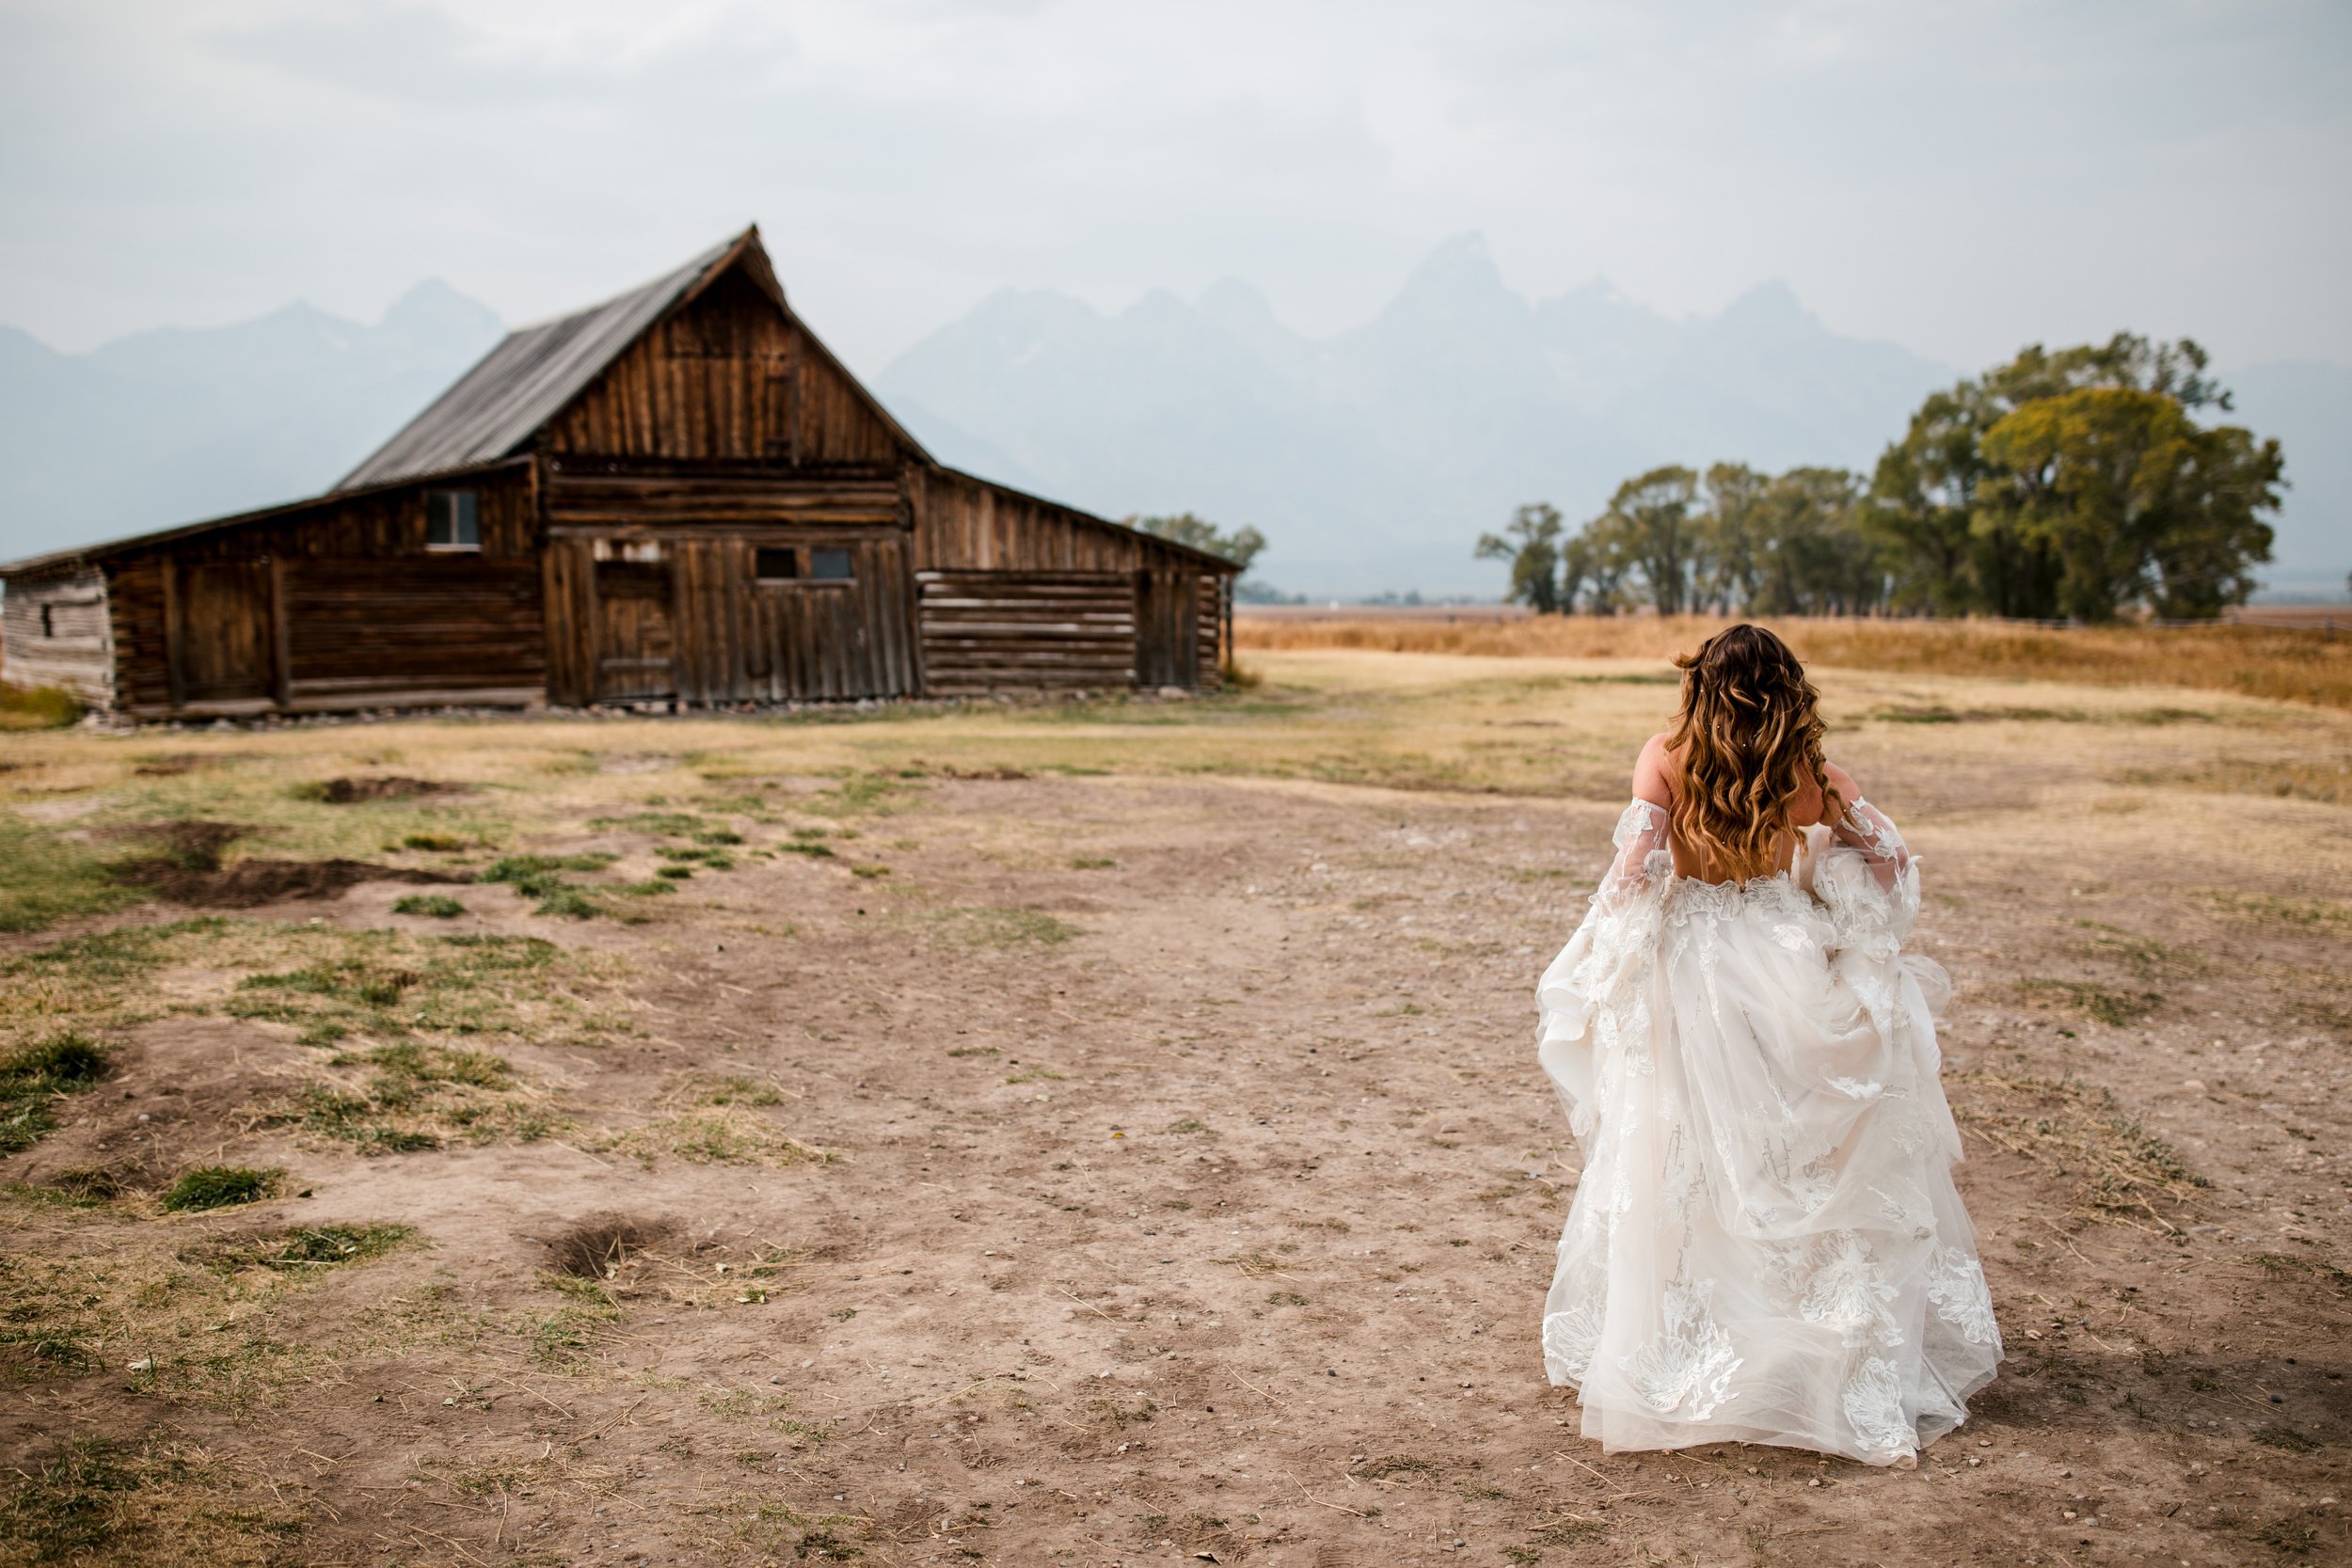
{"x": 1956, "y": 178}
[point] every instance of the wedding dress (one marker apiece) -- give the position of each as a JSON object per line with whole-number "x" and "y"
{"x": 1765, "y": 1244}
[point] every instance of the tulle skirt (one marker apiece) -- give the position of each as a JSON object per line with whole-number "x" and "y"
{"x": 1765, "y": 1246}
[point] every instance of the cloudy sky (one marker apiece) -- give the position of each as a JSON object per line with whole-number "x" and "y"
{"x": 1958, "y": 178}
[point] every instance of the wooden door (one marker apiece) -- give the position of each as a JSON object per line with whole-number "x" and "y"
{"x": 636, "y": 649}
{"x": 1166, "y": 628}
{"x": 221, "y": 633}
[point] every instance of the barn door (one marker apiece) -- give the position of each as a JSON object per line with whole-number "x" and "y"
{"x": 221, "y": 638}
{"x": 1166, "y": 628}
{"x": 635, "y": 646}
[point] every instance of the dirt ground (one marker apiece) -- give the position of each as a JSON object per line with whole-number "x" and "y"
{"x": 1115, "y": 1138}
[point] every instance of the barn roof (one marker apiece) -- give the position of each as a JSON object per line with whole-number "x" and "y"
{"x": 495, "y": 408}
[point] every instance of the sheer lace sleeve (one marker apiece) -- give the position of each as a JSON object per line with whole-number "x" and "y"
{"x": 1595, "y": 993}
{"x": 1866, "y": 876}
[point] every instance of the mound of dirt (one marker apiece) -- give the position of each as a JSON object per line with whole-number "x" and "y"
{"x": 594, "y": 1247}
{"x": 351, "y": 792}
{"x": 250, "y": 882}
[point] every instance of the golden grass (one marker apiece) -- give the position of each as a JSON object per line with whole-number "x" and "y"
{"x": 2286, "y": 663}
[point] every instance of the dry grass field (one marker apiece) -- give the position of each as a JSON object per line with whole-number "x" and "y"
{"x": 2265, "y": 657}
{"x": 1103, "y": 1134}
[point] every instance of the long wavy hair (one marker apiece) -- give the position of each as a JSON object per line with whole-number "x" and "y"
{"x": 1746, "y": 742}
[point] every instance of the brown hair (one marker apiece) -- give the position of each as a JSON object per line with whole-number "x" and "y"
{"x": 1748, "y": 737}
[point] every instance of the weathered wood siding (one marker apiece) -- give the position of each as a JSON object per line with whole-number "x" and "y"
{"x": 335, "y": 604}
{"x": 727, "y": 375}
{"x": 681, "y": 612}
{"x": 1211, "y": 619}
{"x": 989, "y": 631}
{"x": 963, "y": 524}
{"x": 688, "y": 535}
{"x": 53, "y": 631}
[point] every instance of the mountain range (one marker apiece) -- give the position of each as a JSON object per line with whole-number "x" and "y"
{"x": 1371, "y": 459}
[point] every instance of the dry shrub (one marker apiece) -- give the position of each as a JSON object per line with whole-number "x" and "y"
{"x": 2288, "y": 663}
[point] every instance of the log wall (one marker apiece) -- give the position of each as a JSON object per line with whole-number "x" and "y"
{"x": 54, "y": 632}
{"x": 990, "y": 631}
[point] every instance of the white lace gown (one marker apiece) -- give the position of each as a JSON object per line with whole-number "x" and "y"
{"x": 1765, "y": 1245}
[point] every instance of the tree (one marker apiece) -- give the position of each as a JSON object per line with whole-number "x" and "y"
{"x": 2103, "y": 490}
{"x": 2134, "y": 501}
{"x": 1650, "y": 523}
{"x": 1730, "y": 526}
{"x": 1814, "y": 557}
{"x": 1241, "y": 546}
{"x": 1532, "y": 545}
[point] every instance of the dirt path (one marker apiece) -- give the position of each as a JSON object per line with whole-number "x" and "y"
{"x": 1192, "y": 1195}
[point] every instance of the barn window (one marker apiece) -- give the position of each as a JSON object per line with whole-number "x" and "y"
{"x": 49, "y": 620}
{"x": 830, "y": 565}
{"x": 781, "y": 564}
{"x": 453, "y": 520}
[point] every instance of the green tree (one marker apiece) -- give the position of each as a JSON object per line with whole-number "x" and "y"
{"x": 2063, "y": 516}
{"x": 1652, "y": 525}
{"x": 1814, "y": 557}
{"x": 2134, "y": 499}
{"x": 1241, "y": 546}
{"x": 1531, "y": 543}
{"x": 1733, "y": 544}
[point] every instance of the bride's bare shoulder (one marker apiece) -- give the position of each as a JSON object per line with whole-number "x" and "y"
{"x": 1653, "y": 771}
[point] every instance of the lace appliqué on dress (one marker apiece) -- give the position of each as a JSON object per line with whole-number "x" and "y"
{"x": 1686, "y": 1370}
{"x": 1850, "y": 1294}
{"x": 1956, "y": 1285}
{"x": 1568, "y": 1340}
{"x": 1873, "y": 1402}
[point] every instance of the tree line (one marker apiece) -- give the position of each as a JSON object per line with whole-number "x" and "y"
{"x": 2076, "y": 485}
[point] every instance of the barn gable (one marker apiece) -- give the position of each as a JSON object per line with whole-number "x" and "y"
{"x": 705, "y": 361}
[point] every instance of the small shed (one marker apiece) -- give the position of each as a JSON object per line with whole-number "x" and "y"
{"x": 678, "y": 496}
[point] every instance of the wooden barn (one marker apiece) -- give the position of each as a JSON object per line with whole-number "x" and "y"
{"x": 678, "y": 496}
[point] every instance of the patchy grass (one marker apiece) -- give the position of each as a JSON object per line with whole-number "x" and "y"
{"x": 996, "y": 926}
{"x": 342, "y": 983}
{"x": 861, "y": 793}
{"x": 438, "y": 905}
{"x": 35, "y": 1074}
{"x": 221, "y": 1187}
{"x": 44, "y": 879}
{"x": 720, "y": 1135}
{"x": 308, "y": 1247}
{"x": 390, "y": 984}
{"x": 2283, "y": 779}
{"x": 2097, "y": 1002}
{"x": 38, "y": 707}
{"x": 560, "y": 1340}
{"x": 2079, "y": 1131}
{"x": 2320, "y": 917}
{"x": 421, "y": 1095}
{"x": 100, "y": 1502}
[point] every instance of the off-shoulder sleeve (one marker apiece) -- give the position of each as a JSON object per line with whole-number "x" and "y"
{"x": 1595, "y": 993}
{"x": 1867, "y": 878}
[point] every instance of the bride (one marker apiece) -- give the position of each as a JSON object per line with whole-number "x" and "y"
{"x": 1765, "y": 1246}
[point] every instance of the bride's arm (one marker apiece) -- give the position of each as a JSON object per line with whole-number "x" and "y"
{"x": 1864, "y": 827}
{"x": 1641, "y": 832}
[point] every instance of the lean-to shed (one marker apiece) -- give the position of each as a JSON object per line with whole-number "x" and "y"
{"x": 677, "y": 496}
